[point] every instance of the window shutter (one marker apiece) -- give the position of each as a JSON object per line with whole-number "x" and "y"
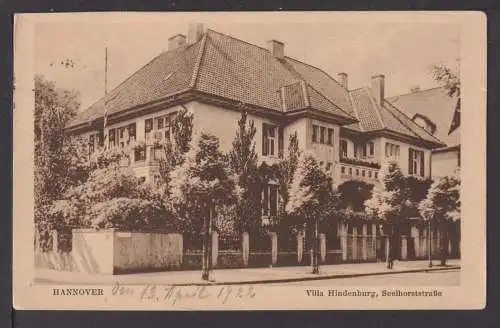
{"x": 422, "y": 168}
{"x": 264, "y": 139}
{"x": 280, "y": 142}
{"x": 410, "y": 161}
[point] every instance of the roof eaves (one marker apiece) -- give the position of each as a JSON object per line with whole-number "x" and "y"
{"x": 333, "y": 104}
{"x": 435, "y": 139}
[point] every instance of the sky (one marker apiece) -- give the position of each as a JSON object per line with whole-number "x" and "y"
{"x": 403, "y": 48}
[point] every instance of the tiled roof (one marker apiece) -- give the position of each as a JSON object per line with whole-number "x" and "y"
{"x": 373, "y": 117}
{"x": 232, "y": 69}
{"x": 226, "y": 67}
{"x": 166, "y": 74}
{"x": 434, "y": 104}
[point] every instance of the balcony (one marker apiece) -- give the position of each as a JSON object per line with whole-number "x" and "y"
{"x": 357, "y": 169}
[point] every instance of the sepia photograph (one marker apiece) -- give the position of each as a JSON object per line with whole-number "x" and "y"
{"x": 249, "y": 161}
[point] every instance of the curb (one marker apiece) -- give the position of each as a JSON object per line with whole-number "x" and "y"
{"x": 313, "y": 278}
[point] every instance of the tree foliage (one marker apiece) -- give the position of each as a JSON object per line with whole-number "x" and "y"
{"x": 202, "y": 179}
{"x": 443, "y": 200}
{"x": 243, "y": 164}
{"x": 449, "y": 78}
{"x": 310, "y": 191}
{"x": 54, "y": 153}
{"x": 353, "y": 194}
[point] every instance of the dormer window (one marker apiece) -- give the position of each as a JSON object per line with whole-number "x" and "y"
{"x": 425, "y": 123}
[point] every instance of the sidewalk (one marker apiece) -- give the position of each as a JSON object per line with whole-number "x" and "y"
{"x": 240, "y": 276}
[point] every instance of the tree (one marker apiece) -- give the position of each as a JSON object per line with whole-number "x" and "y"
{"x": 442, "y": 206}
{"x": 176, "y": 148}
{"x": 198, "y": 186}
{"x": 449, "y": 78}
{"x": 387, "y": 203}
{"x": 353, "y": 194}
{"x": 287, "y": 167}
{"x": 310, "y": 194}
{"x": 243, "y": 163}
{"x": 53, "y": 153}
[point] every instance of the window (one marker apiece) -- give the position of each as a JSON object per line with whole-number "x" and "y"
{"x": 416, "y": 162}
{"x": 391, "y": 150}
{"x": 157, "y": 180}
{"x": 376, "y": 175}
{"x": 369, "y": 174}
{"x": 142, "y": 179}
{"x": 159, "y": 123}
{"x": 458, "y": 158}
{"x": 343, "y": 148}
{"x": 158, "y": 153}
{"x": 370, "y": 149}
{"x": 328, "y": 167}
{"x": 342, "y": 170}
{"x": 322, "y": 131}
{"x": 329, "y": 140}
{"x": 315, "y": 133}
{"x": 365, "y": 150}
{"x": 131, "y": 132}
{"x": 112, "y": 137}
{"x": 140, "y": 154}
{"x": 321, "y": 164}
{"x": 91, "y": 144}
{"x": 148, "y": 127}
{"x": 362, "y": 172}
{"x": 268, "y": 139}
{"x": 270, "y": 200}
{"x": 350, "y": 171}
{"x": 357, "y": 172}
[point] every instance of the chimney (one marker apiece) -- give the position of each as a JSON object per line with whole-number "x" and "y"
{"x": 176, "y": 41}
{"x": 342, "y": 77}
{"x": 377, "y": 86}
{"x": 277, "y": 49}
{"x": 195, "y": 33}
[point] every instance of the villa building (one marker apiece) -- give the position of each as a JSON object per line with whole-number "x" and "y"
{"x": 439, "y": 113}
{"x": 213, "y": 75}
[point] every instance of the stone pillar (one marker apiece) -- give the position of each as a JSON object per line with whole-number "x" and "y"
{"x": 215, "y": 248}
{"x": 364, "y": 249}
{"x": 55, "y": 241}
{"x": 322, "y": 247}
{"x": 343, "y": 241}
{"x": 414, "y": 233}
{"x": 404, "y": 247}
{"x": 374, "y": 241}
{"x": 355, "y": 256}
{"x": 274, "y": 248}
{"x": 386, "y": 248}
{"x": 300, "y": 246}
{"x": 245, "y": 248}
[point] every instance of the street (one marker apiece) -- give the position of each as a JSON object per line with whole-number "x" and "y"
{"x": 434, "y": 278}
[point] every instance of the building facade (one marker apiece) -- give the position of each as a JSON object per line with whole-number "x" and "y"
{"x": 214, "y": 76}
{"x": 439, "y": 113}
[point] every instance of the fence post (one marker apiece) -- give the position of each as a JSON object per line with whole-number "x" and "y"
{"x": 55, "y": 241}
{"x": 343, "y": 240}
{"x": 245, "y": 248}
{"x": 300, "y": 246}
{"x": 365, "y": 242}
{"x": 37, "y": 239}
{"x": 355, "y": 256}
{"x": 215, "y": 248}
{"x": 404, "y": 247}
{"x": 274, "y": 248}
{"x": 416, "y": 240}
{"x": 322, "y": 247}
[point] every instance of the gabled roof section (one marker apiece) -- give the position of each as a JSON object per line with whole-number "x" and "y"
{"x": 435, "y": 104}
{"x": 373, "y": 117}
{"x": 167, "y": 74}
{"x": 229, "y": 68}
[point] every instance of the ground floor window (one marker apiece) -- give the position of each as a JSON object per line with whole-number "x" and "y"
{"x": 270, "y": 200}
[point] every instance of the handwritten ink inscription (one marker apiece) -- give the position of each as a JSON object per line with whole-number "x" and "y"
{"x": 176, "y": 294}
